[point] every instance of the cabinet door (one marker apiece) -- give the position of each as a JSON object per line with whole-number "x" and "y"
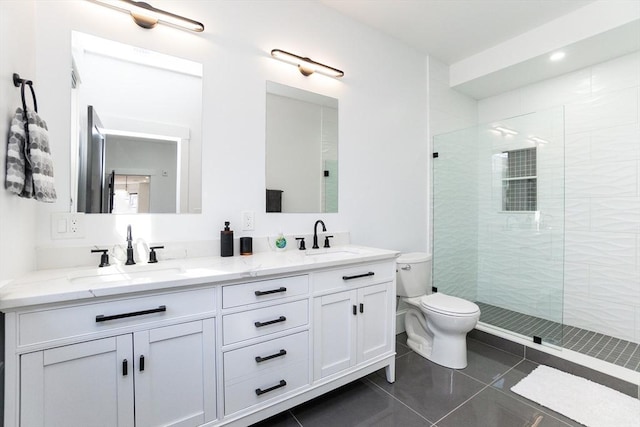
{"x": 175, "y": 375}
{"x": 375, "y": 321}
{"x": 335, "y": 322}
{"x": 86, "y": 384}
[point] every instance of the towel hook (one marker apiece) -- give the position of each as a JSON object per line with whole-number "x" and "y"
{"x": 20, "y": 82}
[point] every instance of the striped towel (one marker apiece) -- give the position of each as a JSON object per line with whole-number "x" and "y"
{"x": 29, "y": 165}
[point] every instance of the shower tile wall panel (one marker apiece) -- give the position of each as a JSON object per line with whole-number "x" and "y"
{"x": 602, "y": 204}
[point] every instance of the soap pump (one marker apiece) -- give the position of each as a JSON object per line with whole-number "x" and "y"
{"x": 226, "y": 240}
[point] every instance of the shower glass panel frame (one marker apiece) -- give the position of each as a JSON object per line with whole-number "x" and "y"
{"x": 498, "y": 222}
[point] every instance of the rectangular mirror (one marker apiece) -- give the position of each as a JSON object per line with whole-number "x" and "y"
{"x": 136, "y": 128}
{"x": 301, "y": 151}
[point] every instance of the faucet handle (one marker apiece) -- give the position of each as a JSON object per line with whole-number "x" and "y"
{"x": 152, "y": 254}
{"x": 301, "y": 245}
{"x": 326, "y": 241}
{"x": 104, "y": 258}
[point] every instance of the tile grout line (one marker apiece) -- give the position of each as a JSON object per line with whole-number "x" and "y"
{"x": 527, "y": 400}
{"x": 295, "y": 418}
{"x": 400, "y": 401}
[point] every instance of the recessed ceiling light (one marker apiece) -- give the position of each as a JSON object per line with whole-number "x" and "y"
{"x": 557, "y": 56}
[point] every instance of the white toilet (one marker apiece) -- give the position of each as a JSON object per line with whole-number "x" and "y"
{"x": 436, "y": 324}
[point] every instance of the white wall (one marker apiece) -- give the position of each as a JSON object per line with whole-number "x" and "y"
{"x": 602, "y": 192}
{"x": 383, "y": 154}
{"x": 17, "y": 216}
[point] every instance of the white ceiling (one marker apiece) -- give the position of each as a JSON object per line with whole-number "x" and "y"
{"x": 451, "y": 30}
{"x": 467, "y": 34}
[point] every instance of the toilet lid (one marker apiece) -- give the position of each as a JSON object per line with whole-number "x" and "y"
{"x": 446, "y": 304}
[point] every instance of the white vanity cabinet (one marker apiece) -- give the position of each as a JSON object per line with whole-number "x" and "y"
{"x": 356, "y": 323}
{"x": 229, "y": 348}
{"x": 139, "y": 376}
{"x": 266, "y": 344}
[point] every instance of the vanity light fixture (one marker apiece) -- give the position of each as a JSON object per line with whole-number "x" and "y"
{"x": 307, "y": 66}
{"x": 148, "y": 16}
{"x": 505, "y": 131}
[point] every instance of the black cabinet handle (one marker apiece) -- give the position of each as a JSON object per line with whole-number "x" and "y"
{"x": 355, "y": 310}
{"x": 141, "y": 363}
{"x": 270, "y": 322}
{"x": 125, "y": 368}
{"x": 272, "y": 291}
{"x": 361, "y": 308}
{"x": 371, "y": 273}
{"x": 282, "y": 383}
{"x": 273, "y": 356}
{"x": 103, "y": 318}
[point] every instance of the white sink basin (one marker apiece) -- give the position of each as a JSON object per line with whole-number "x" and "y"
{"x": 332, "y": 253}
{"x": 121, "y": 274}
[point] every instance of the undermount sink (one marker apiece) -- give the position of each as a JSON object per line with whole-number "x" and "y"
{"x": 120, "y": 274}
{"x": 332, "y": 253}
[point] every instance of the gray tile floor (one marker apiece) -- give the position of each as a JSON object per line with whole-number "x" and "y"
{"x": 613, "y": 350}
{"x": 426, "y": 394}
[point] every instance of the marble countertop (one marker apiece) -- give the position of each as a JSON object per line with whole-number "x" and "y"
{"x": 66, "y": 285}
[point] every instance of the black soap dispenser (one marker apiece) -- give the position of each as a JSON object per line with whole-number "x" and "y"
{"x": 226, "y": 241}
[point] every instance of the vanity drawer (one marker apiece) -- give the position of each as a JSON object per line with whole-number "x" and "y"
{"x": 265, "y": 386}
{"x": 252, "y": 360}
{"x": 263, "y": 321}
{"x": 80, "y": 320}
{"x": 361, "y": 275}
{"x": 265, "y": 290}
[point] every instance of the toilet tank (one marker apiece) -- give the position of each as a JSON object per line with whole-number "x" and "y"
{"x": 413, "y": 274}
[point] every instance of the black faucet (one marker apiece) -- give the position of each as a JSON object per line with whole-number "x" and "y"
{"x": 130, "y": 260}
{"x": 315, "y": 233}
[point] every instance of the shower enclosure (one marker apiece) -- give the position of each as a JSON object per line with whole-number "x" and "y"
{"x": 498, "y": 221}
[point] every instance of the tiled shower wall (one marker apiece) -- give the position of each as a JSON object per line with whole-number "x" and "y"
{"x": 602, "y": 188}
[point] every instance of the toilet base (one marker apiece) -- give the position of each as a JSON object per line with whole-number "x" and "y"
{"x": 445, "y": 349}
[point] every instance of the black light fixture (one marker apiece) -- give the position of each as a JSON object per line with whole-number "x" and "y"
{"x": 148, "y": 16}
{"x": 307, "y": 66}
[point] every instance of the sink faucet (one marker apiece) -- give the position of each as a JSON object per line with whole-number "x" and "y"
{"x": 315, "y": 233}
{"x": 130, "y": 260}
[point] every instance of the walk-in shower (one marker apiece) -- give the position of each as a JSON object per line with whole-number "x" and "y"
{"x": 498, "y": 209}
{"x": 499, "y": 231}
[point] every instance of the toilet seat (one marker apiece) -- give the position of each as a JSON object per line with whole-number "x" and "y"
{"x": 448, "y": 305}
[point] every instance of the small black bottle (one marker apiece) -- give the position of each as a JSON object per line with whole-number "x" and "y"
{"x": 226, "y": 241}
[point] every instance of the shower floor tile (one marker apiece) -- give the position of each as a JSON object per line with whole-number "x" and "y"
{"x": 613, "y": 350}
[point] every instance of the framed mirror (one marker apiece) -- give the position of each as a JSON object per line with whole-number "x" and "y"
{"x": 137, "y": 129}
{"x": 301, "y": 151}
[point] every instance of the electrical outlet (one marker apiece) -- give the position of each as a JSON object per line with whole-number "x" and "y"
{"x": 67, "y": 226}
{"x": 248, "y": 221}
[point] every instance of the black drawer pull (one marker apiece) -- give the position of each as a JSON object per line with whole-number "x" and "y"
{"x": 273, "y": 356}
{"x": 371, "y": 273}
{"x": 270, "y": 322}
{"x": 355, "y": 310}
{"x": 103, "y": 318}
{"x": 125, "y": 368}
{"x": 272, "y": 291}
{"x": 282, "y": 383}
{"x": 361, "y": 308}
{"x": 141, "y": 364}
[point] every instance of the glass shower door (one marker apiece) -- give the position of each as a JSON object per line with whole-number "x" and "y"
{"x": 498, "y": 221}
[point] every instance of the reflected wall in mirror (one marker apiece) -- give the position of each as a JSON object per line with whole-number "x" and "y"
{"x": 301, "y": 151}
{"x": 137, "y": 127}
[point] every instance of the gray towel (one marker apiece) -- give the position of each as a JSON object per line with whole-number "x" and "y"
{"x": 30, "y": 166}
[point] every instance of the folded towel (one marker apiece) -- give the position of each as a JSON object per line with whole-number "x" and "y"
{"x": 29, "y": 162}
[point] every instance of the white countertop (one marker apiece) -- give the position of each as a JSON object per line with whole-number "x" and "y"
{"x": 63, "y": 285}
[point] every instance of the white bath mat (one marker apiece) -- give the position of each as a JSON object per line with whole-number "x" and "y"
{"x": 584, "y": 401}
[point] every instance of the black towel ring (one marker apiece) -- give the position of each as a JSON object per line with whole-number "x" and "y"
{"x": 19, "y": 82}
